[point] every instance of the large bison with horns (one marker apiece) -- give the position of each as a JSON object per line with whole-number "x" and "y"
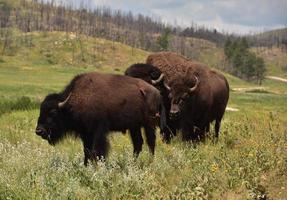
{"x": 193, "y": 95}
{"x": 198, "y": 98}
{"x": 94, "y": 104}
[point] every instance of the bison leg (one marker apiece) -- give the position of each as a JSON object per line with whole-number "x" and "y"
{"x": 150, "y": 138}
{"x": 95, "y": 145}
{"x": 95, "y": 151}
{"x": 169, "y": 131}
{"x": 217, "y": 127}
{"x": 200, "y": 133}
{"x": 166, "y": 134}
{"x": 137, "y": 140}
{"x": 192, "y": 133}
{"x": 172, "y": 125}
{"x": 207, "y": 128}
{"x": 86, "y": 157}
{"x": 87, "y": 142}
{"x": 187, "y": 133}
{"x": 100, "y": 144}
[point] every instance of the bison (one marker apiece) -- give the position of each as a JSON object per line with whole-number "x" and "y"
{"x": 154, "y": 76}
{"x": 94, "y": 104}
{"x": 198, "y": 98}
{"x": 195, "y": 82}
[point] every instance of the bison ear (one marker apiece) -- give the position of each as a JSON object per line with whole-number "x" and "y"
{"x": 142, "y": 92}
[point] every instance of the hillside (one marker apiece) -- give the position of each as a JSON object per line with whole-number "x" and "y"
{"x": 277, "y": 37}
{"x": 50, "y": 60}
{"x": 275, "y": 59}
{"x": 61, "y": 55}
{"x": 79, "y": 53}
{"x": 138, "y": 31}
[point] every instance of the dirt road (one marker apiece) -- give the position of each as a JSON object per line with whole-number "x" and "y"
{"x": 277, "y": 78}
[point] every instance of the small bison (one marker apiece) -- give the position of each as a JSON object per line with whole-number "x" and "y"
{"x": 94, "y": 104}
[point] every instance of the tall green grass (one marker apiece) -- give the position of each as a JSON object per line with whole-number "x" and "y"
{"x": 251, "y": 153}
{"x": 22, "y": 103}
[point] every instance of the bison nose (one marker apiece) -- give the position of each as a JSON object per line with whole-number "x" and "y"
{"x": 39, "y": 131}
{"x": 173, "y": 114}
{"x": 157, "y": 114}
{"x": 174, "y": 111}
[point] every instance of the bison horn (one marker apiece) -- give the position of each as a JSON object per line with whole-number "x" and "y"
{"x": 166, "y": 86}
{"x": 154, "y": 82}
{"x": 62, "y": 104}
{"x": 195, "y": 86}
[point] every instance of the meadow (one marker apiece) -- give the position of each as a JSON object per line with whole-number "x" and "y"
{"x": 248, "y": 162}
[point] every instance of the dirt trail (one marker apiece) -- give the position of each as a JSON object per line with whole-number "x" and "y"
{"x": 277, "y": 78}
{"x": 232, "y": 109}
{"x": 246, "y": 89}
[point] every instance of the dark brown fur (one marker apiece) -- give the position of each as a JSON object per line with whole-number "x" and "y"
{"x": 170, "y": 63}
{"x": 98, "y": 104}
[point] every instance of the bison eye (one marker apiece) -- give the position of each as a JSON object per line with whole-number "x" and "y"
{"x": 180, "y": 102}
{"x": 177, "y": 101}
{"x": 54, "y": 112}
{"x": 154, "y": 75}
{"x": 184, "y": 96}
{"x": 49, "y": 120}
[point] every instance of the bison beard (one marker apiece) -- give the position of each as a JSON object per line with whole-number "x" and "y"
{"x": 94, "y": 104}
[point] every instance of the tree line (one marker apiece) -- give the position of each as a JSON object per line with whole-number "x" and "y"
{"x": 242, "y": 62}
{"x": 135, "y": 30}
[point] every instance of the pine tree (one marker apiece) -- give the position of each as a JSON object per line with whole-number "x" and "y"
{"x": 260, "y": 70}
{"x": 163, "y": 40}
{"x": 244, "y": 63}
{"x": 227, "y": 48}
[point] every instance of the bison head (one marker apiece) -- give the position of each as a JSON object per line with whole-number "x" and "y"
{"x": 181, "y": 88}
{"x": 146, "y": 72}
{"x": 50, "y": 122}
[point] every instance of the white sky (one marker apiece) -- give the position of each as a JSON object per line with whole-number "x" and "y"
{"x": 234, "y": 16}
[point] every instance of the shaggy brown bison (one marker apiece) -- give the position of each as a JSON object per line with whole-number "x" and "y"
{"x": 198, "y": 98}
{"x": 204, "y": 92}
{"x": 94, "y": 104}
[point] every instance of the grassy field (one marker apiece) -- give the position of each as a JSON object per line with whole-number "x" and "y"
{"x": 248, "y": 162}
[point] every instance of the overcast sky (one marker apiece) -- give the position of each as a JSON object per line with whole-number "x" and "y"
{"x": 236, "y": 16}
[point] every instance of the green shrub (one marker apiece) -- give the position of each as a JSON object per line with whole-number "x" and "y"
{"x": 22, "y": 103}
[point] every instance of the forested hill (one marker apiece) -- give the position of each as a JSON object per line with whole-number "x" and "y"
{"x": 271, "y": 38}
{"x": 136, "y": 30}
